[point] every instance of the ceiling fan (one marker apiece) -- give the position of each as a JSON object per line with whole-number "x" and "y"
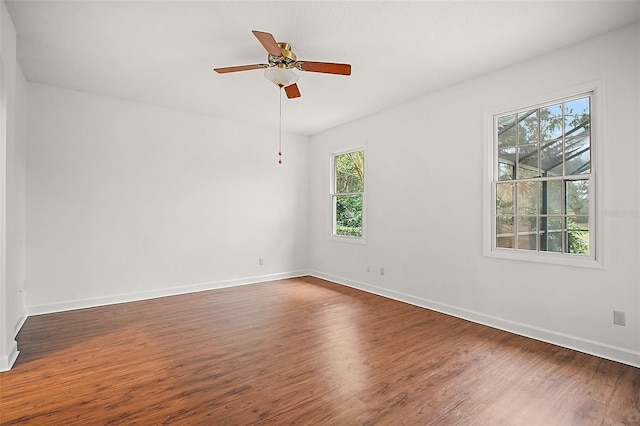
{"x": 281, "y": 62}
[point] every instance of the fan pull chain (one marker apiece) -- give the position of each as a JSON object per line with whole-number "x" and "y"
{"x": 280, "y": 130}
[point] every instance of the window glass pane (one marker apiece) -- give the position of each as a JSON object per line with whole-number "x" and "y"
{"x": 551, "y": 122}
{"x": 576, "y": 117}
{"x": 551, "y": 197}
{"x": 527, "y": 233}
{"x": 505, "y": 171}
{"x": 551, "y": 159}
{"x": 504, "y": 198}
{"x": 528, "y": 161}
{"x": 578, "y": 235}
{"x": 528, "y": 127}
{"x": 527, "y": 197}
{"x": 507, "y": 131}
{"x": 577, "y": 196}
{"x": 349, "y": 172}
{"x": 505, "y": 232}
{"x": 577, "y": 155}
{"x": 551, "y": 233}
{"x": 349, "y": 215}
{"x": 506, "y": 163}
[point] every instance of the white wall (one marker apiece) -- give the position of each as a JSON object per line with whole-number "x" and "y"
{"x": 12, "y": 192}
{"x": 127, "y": 201}
{"x": 425, "y": 196}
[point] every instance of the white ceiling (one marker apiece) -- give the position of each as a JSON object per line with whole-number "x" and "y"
{"x": 163, "y": 52}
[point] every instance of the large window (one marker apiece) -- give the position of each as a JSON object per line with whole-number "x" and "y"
{"x": 542, "y": 184}
{"x": 347, "y": 193}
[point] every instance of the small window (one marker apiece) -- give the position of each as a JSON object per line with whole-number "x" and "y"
{"x": 347, "y": 194}
{"x": 542, "y": 183}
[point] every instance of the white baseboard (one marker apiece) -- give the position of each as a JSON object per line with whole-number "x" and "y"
{"x": 152, "y": 294}
{"x": 18, "y": 326}
{"x": 6, "y": 361}
{"x": 601, "y": 350}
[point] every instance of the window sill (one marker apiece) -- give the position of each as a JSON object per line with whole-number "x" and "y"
{"x": 347, "y": 239}
{"x": 549, "y": 258}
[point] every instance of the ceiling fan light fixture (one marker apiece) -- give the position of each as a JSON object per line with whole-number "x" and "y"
{"x": 280, "y": 76}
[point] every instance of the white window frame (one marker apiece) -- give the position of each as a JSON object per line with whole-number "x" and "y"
{"x": 596, "y": 257}
{"x": 332, "y": 197}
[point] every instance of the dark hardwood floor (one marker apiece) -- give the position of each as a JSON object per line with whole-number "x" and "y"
{"x": 300, "y": 351}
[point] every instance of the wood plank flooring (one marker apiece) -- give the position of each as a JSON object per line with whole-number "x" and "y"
{"x": 301, "y": 351}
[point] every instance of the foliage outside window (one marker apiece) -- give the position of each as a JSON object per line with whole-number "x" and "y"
{"x": 542, "y": 178}
{"x": 347, "y": 194}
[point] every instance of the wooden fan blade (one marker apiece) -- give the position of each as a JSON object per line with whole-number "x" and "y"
{"x": 324, "y": 67}
{"x": 292, "y": 91}
{"x": 268, "y": 42}
{"x": 240, "y": 68}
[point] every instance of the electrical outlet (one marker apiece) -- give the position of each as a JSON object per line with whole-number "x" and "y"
{"x": 260, "y": 261}
{"x": 368, "y": 268}
{"x": 382, "y": 271}
{"x": 619, "y": 318}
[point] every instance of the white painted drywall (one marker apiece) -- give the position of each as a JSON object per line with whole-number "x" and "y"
{"x": 127, "y": 201}
{"x": 424, "y": 183}
{"x": 16, "y": 210}
{"x": 12, "y": 192}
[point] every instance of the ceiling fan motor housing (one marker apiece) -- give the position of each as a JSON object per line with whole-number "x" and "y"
{"x": 288, "y": 58}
